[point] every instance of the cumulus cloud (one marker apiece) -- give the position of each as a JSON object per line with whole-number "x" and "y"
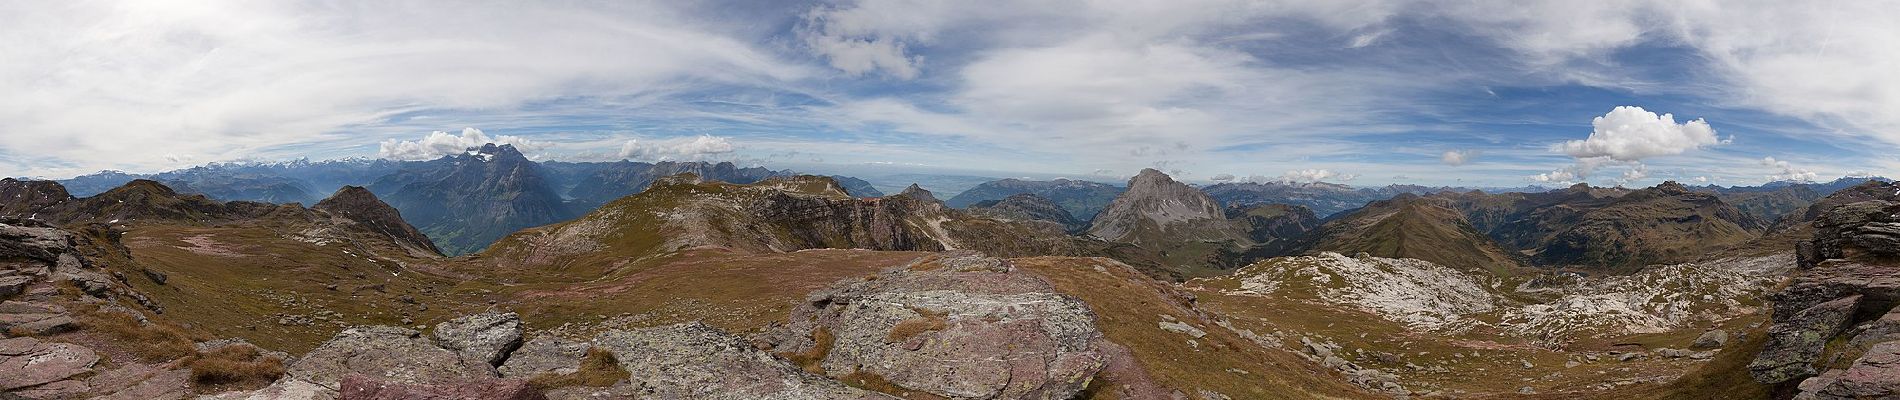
{"x": 437, "y": 144}
{"x": 1700, "y": 179}
{"x": 1635, "y": 173}
{"x": 1457, "y": 157}
{"x": 1787, "y": 172}
{"x": 697, "y": 148}
{"x": 1223, "y": 178}
{"x": 1630, "y": 133}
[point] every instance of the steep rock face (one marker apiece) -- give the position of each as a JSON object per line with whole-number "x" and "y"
{"x": 1157, "y": 208}
{"x": 960, "y": 325}
{"x": 1028, "y": 207}
{"x": 467, "y": 201}
{"x": 1410, "y": 226}
{"x": 26, "y": 199}
{"x": 1840, "y": 305}
{"x": 1081, "y": 199}
{"x": 362, "y": 207}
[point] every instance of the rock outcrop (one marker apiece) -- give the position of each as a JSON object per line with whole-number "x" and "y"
{"x": 695, "y": 361}
{"x": 359, "y": 206}
{"x": 959, "y": 325}
{"x": 487, "y": 338}
{"x": 389, "y": 354}
{"x": 1841, "y": 303}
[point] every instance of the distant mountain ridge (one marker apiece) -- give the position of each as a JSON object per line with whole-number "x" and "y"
{"x": 1082, "y": 199}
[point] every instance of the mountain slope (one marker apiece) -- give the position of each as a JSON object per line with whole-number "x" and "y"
{"x": 1028, "y": 207}
{"x": 466, "y": 201}
{"x": 610, "y": 181}
{"x": 1082, "y": 199}
{"x": 1409, "y": 226}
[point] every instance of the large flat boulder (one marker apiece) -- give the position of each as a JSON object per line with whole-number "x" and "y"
{"x": 959, "y": 325}
{"x": 388, "y": 354}
{"x": 544, "y": 355}
{"x": 46, "y": 362}
{"x": 695, "y": 361}
{"x": 485, "y": 338}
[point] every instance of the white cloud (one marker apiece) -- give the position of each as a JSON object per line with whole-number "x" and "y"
{"x": 1629, "y": 133}
{"x": 1701, "y": 179}
{"x": 1635, "y": 173}
{"x": 1223, "y": 178}
{"x": 437, "y": 144}
{"x": 1457, "y": 157}
{"x": 697, "y": 148}
{"x": 229, "y": 79}
{"x": 1787, "y": 172}
{"x": 1314, "y": 175}
{"x": 1367, "y": 39}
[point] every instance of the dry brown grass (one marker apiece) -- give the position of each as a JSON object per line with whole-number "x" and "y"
{"x": 235, "y": 367}
{"x": 155, "y": 342}
{"x": 598, "y": 369}
{"x": 906, "y": 329}
{"x": 811, "y": 359}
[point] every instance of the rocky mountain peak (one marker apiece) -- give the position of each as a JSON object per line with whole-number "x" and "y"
{"x": 1672, "y": 187}
{"x": 918, "y": 192}
{"x": 493, "y": 151}
{"x": 1150, "y": 177}
{"x": 143, "y": 186}
{"x": 358, "y": 204}
{"x": 1155, "y": 201}
{"x": 25, "y": 198}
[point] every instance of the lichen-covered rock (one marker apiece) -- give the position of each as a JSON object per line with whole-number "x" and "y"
{"x": 25, "y": 239}
{"x": 695, "y": 361}
{"x": 957, "y": 325}
{"x": 359, "y": 387}
{"x": 485, "y": 338}
{"x": 1869, "y": 227}
{"x": 1876, "y": 375}
{"x": 544, "y": 355}
{"x": 1796, "y": 342}
{"x": 388, "y": 354}
{"x": 46, "y": 362}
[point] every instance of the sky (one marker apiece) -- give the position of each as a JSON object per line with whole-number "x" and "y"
{"x": 1474, "y": 93}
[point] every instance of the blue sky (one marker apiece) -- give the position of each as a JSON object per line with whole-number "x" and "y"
{"x": 1486, "y": 93}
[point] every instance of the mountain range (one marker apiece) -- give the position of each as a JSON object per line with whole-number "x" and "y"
{"x": 696, "y": 286}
